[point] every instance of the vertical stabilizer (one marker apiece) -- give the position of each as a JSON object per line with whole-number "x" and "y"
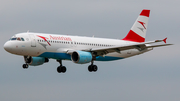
{"x": 138, "y": 30}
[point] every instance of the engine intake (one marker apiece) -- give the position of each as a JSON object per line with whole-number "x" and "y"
{"x": 81, "y": 57}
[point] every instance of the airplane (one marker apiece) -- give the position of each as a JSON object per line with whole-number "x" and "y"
{"x": 38, "y": 48}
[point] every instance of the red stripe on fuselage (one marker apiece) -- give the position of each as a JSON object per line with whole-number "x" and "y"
{"x": 44, "y": 39}
{"x": 132, "y": 36}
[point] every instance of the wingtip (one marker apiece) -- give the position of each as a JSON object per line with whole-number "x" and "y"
{"x": 165, "y": 40}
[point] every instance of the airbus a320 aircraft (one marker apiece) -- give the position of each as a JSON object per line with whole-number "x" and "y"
{"x": 38, "y": 48}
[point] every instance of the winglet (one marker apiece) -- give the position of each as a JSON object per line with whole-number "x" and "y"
{"x": 165, "y": 40}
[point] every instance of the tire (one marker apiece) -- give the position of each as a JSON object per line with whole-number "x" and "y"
{"x": 95, "y": 68}
{"x": 90, "y": 68}
{"x": 59, "y": 69}
{"x": 63, "y": 69}
{"x": 25, "y": 66}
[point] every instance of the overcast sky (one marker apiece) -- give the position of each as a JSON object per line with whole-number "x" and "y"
{"x": 153, "y": 76}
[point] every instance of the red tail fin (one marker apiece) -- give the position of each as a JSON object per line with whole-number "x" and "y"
{"x": 138, "y": 30}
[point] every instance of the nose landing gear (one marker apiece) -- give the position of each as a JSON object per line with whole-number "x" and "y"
{"x": 27, "y": 60}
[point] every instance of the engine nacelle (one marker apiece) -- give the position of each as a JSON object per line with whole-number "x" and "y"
{"x": 35, "y": 61}
{"x": 81, "y": 57}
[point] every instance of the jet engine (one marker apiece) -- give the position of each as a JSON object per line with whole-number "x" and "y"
{"x": 35, "y": 61}
{"x": 81, "y": 57}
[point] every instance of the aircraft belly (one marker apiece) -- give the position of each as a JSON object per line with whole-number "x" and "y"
{"x": 54, "y": 55}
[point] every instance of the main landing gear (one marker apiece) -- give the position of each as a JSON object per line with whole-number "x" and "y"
{"x": 61, "y": 68}
{"x": 92, "y": 68}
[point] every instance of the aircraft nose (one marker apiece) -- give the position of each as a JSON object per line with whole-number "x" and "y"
{"x": 8, "y": 47}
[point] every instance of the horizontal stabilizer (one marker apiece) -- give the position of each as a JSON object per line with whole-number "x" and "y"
{"x": 158, "y": 45}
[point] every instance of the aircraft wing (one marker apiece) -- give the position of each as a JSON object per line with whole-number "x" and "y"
{"x": 139, "y": 46}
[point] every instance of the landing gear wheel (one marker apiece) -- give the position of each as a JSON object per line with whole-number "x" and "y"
{"x": 25, "y": 66}
{"x": 61, "y": 69}
{"x": 90, "y": 68}
{"x": 93, "y": 68}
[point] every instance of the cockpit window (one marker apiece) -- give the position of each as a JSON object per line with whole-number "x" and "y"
{"x": 18, "y": 38}
{"x": 13, "y": 38}
{"x": 22, "y": 39}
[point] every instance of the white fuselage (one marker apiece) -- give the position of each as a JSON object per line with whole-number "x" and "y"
{"x": 56, "y": 46}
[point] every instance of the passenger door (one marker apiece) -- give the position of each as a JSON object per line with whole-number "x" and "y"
{"x": 33, "y": 40}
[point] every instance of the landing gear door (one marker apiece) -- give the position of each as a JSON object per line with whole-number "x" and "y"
{"x": 33, "y": 41}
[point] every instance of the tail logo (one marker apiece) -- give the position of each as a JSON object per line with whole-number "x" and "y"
{"x": 143, "y": 24}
